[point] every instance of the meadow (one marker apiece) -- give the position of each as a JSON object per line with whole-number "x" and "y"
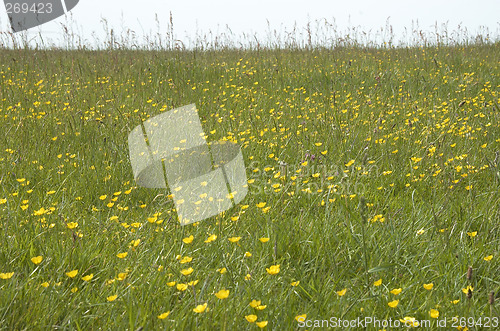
{"x": 373, "y": 173}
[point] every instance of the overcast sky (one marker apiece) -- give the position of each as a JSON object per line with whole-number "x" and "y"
{"x": 252, "y": 17}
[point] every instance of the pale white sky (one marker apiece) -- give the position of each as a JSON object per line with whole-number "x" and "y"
{"x": 192, "y": 16}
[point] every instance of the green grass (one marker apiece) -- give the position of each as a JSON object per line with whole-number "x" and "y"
{"x": 410, "y": 171}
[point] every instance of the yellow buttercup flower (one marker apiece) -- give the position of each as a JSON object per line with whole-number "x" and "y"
{"x": 187, "y": 271}
{"x": 234, "y": 239}
{"x": 396, "y": 291}
{"x": 393, "y": 304}
{"x": 185, "y": 259}
{"x": 182, "y": 287}
{"x": 428, "y": 286}
{"x": 410, "y": 321}
{"x": 37, "y": 259}
{"x": 112, "y": 298}
{"x": 122, "y": 255}
{"x": 200, "y": 308}
{"x": 211, "y": 238}
{"x": 72, "y": 273}
{"x": 261, "y": 324}
{"x": 88, "y": 277}
{"x": 39, "y": 212}
{"x": 251, "y": 318}
{"x": 341, "y": 292}
{"x": 466, "y": 290}
{"x": 164, "y": 315}
{"x": 222, "y": 294}
{"x": 434, "y": 313}
{"x": 6, "y": 275}
{"x": 273, "y": 270}
{"x": 378, "y": 282}
{"x": 72, "y": 225}
{"x": 188, "y": 240}
{"x": 254, "y": 303}
{"x": 122, "y": 276}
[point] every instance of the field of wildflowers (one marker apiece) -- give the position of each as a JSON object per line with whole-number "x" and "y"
{"x": 374, "y": 177}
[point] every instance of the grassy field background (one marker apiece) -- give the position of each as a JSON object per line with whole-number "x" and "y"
{"x": 374, "y": 179}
